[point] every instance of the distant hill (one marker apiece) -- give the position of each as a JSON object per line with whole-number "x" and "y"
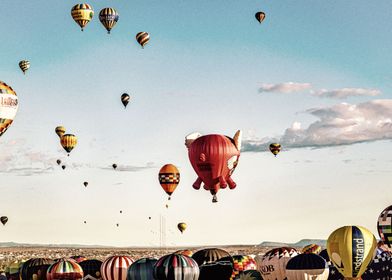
{"x": 299, "y": 244}
{"x": 14, "y": 244}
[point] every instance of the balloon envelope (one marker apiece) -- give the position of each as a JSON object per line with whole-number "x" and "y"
{"x": 176, "y": 267}
{"x": 82, "y": 14}
{"x": 68, "y": 142}
{"x": 64, "y": 269}
{"x": 142, "y": 269}
{"x": 24, "y": 65}
{"x": 108, "y": 17}
{"x": 92, "y": 269}
{"x": 8, "y": 106}
{"x": 125, "y": 99}
{"x": 260, "y": 16}
{"x": 307, "y": 267}
{"x": 3, "y": 220}
{"x": 116, "y": 267}
{"x": 351, "y": 249}
{"x": 142, "y": 38}
{"x": 384, "y": 226}
{"x": 169, "y": 178}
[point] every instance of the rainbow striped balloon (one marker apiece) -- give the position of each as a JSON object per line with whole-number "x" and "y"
{"x": 176, "y": 267}
{"x": 115, "y": 267}
{"x": 64, "y": 269}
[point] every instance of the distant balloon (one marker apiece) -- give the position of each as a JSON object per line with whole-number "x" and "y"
{"x": 260, "y": 16}
{"x": 169, "y": 178}
{"x": 143, "y": 38}
{"x": 108, "y": 17}
{"x": 307, "y": 266}
{"x": 68, "y": 142}
{"x": 272, "y": 265}
{"x": 114, "y": 166}
{"x": 125, "y": 99}
{"x": 3, "y": 220}
{"x": 149, "y": 218}
{"x": 142, "y": 269}
{"x": 311, "y": 249}
{"x": 384, "y": 226}
{"x": 8, "y": 106}
{"x": 115, "y": 267}
{"x": 185, "y": 252}
{"x": 24, "y": 65}
{"x": 63, "y": 167}
{"x": 60, "y": 130}
{"x": 82, "y": 14}
{"x": 176, "y": 267}
{"x": 85, "y": 222}
{"x": 181, "y": 227}
{"x": 85, "y": 184}
{"x": 117, "y": 225}
{"x": 351, "y": 249}
{"x": 58, "y": 162}
{"x": 275, "y": 148}
{"x": 214, "y": 158}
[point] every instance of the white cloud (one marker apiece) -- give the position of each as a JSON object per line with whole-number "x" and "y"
{"x": 287, "y": 87}
{"x": 346, "y": 92}
{"x": 342, "y": 124}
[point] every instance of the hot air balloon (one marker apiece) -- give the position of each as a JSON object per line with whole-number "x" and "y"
{"x": 58, "y": 162}
{"x": 85, "y": 184}
{"x": 125, "y": 99}
{"x": 241, "y": 264}
{"x": 351, "y": 249}
{"x": 60, "y": 130}
{"x": 384, "y": 226}
{"x": 82, "y": 14}
{"x": 91, "y": 269}
{"x": 24, "y": 65}
{"x": 142, "y": 38}
{"x": 114, "y": 166}
{"x": 108, "y": 17}
{"x": 3, "y": 220}
{"x": 8, "y": 106}
{"x": 306, "y": 267}
{"x": 272, "y": 265}
{"x": 260, "y": 16}
{"x": 149, "y": 218}
{"x": 12, "y": 269}
{"x": 190, "y": 138}
{"x": 63, "y": 167}
{"x": 250, "y": 275}
{"x": 214, "y": 263}
{"x": 68, "y": 142}
{"x": 214, "y": 159}
{"x": 380, "y": 268}
{"x": 169, "y": 178}
{"x": 275, "y": 148}
{"x": 78, "y": 259}
{"x": 185, "y": 252}
{"x": 64, "y": 269}
{"x": 120, "y": 211}
{"x": 35, "y": 269}
{"x": 176, "y": 267}
{"x": 116, "y": 267}
{"x": 334, "y": 274}
{"x": 142, "y": 269}
{"x": 181, "y": 227}
{"x": 311, "y": 249}
{"x": 117, "y": 225}
{"x": 85, "y": 222}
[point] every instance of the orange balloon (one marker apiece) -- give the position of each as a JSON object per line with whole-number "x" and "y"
{"x": 169, "y": 178}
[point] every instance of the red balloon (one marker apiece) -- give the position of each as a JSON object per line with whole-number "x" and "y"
{"x": 214, "y": 158}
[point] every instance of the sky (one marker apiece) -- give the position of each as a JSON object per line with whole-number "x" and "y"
{"x": 314, "y": 76}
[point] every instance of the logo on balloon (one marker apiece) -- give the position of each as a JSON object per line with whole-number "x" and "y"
{"x": 267, "y": 269}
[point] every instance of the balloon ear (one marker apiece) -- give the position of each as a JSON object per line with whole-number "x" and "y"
{"x": 190, "y": 138}
{"x": 238, "y": 139}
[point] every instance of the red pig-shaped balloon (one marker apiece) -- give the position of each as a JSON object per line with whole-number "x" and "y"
{"x": 214, "y": 158}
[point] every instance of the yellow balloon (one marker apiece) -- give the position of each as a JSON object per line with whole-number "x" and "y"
{"x": 351, "y": 249}
{"x": 181, "y": 227}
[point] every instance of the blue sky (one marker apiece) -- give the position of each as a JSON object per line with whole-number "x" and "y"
{"x": 209, "y": 67}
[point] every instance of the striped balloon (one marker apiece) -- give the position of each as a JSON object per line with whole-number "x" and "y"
{"x": 8, "y": 106}
{"x": 108, "y": 17}
{"x": 142, "y": 269}
{"x": 35, "y": 269}
{"x": 78, "y": 259}
{"x": 142, "y": 38}
{"x": 64, "y": 269}
{"x": 24, "y": 65}
{"x": 115, "y": 267}
{"x": 82, "y": 14}
{"x": 176, "y": 267}
{"x": 91, "y": 269}
{"x": 311, "y": 249}
{"x": 185, "y": 252}
{"x": 68, "y": 142}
